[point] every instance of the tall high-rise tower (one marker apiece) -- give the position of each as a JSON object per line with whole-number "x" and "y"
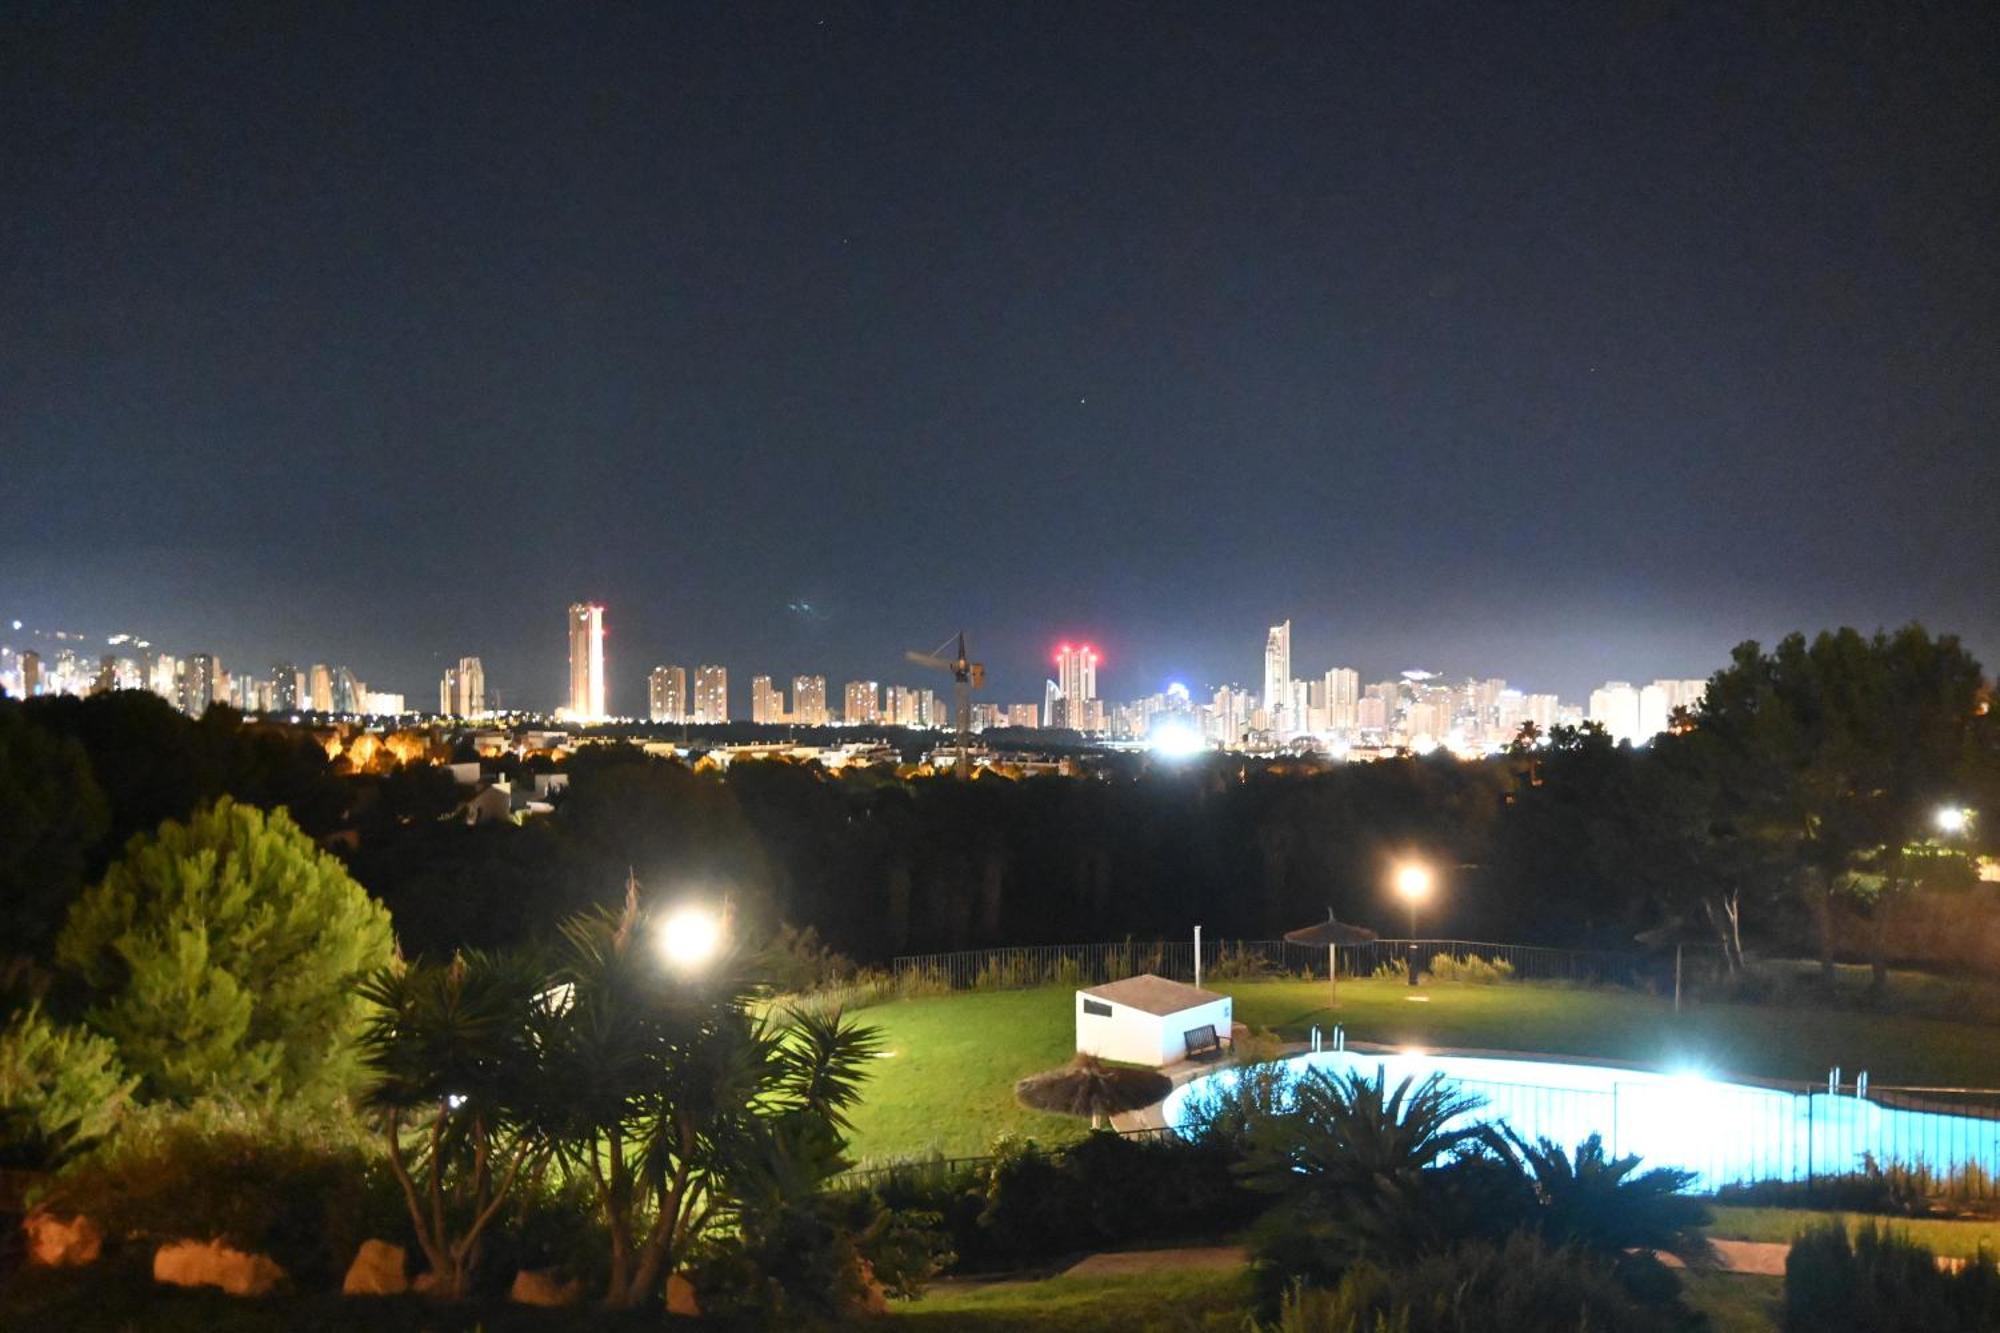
{"x": 462, "y": 692}
{"x": 711, "y": 694}
{"x": 586, "y": 662}
{"x": 1076, "y": 680}
{"x": 666, "y": 694}
{"x": 809, "y": 700}
{"x": 1278, "y": 670}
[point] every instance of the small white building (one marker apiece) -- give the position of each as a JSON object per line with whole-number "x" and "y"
{"x": 1145, "y": 1020}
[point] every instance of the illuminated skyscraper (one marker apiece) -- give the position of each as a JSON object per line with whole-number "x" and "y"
{"x": 1343, "y": 695}
{"x": 809, "y": 700}
{"x": 31, "y": 674}
{"x": 200, "y": 683}
{"x": 284, "y": 688}
{"x": 666, "y": 694}
{"x": 462, "y": 692}
{"x": 320, "y": 688}
{"x": 586, "y": 662}
{"x": 350, "y": 695}
{"x": 711, "y": 694}
{"x": 767, "y": 705}
{"x": 861, "y": 702}
{"x": 1278, "y": 677}
{"x": 1615, "y": 707}
{"x": 1076, "y": 680}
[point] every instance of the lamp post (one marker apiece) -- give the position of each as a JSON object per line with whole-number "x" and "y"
{"x": 1413, "y": 882}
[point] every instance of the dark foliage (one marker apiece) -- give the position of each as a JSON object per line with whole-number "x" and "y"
{"x": 1881, "y": 1281}
{"x": 1032, "y": 1204}
{"x": 1522, "y": 1282}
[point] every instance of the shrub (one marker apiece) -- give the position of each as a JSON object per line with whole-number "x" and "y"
{"x": 221, "y": 955}
{"x": 1881, "y": 1280}
{"x": 1522, "y": 1283}
{"x": 1890, "y": 1188}
{"x": 61, "y": 1089}
{"x": 304, "y": 1190}
{"x": 1393, "y": 969}
{"x": 1030, "y": 1203}
{"x": 1238, "y": 964}
{"x": 1471, "y": 968}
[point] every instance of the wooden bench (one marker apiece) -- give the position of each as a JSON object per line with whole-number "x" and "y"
{"x": 1202, "y": 1043}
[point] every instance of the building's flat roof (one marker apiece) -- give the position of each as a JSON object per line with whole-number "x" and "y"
{"x": 1154, "y": 995}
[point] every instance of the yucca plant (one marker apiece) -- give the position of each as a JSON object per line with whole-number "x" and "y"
{"x": 663, "y": 1087}
{"x": 455, "y": 1056}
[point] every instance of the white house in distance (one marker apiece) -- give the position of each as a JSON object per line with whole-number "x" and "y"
{"x": 1145, "y": 1020}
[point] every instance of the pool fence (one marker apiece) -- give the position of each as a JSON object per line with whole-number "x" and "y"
{"x": 1094, "y": 964}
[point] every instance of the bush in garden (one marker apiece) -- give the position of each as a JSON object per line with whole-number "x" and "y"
{"x": 221, "y": 954}
{"x": 1472, "y": 969}
{"x": 305, "y": 1190}
{"x": 1880, "y": 1281}
{"x": 1521, "y": 1282}
{"x": 61, "y": 1090}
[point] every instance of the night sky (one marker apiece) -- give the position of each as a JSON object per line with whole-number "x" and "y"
{"x": 1551, "y": 342}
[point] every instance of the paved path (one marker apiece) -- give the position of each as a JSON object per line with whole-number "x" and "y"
{"x": 1125, "y": 1263}
{"x": 1762, "y": 1258}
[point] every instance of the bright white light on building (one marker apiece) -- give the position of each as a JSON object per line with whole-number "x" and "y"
{"x": 690, "y": 937}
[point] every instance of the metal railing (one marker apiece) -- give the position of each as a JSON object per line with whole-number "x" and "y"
{"x": 1094, "y": 964}
{"x": 1724, "y": 1133}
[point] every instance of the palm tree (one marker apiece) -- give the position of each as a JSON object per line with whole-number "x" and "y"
{"x": 1368, "y": 1172}
{"x": 664, "y": 1088}
{"x": 1597, "y": 1204}
{"x": 452, "y": 1050}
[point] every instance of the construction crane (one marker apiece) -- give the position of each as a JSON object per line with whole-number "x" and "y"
{"x": 966, "y": 676}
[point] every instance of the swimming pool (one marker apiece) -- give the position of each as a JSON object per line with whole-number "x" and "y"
{"x": 1726, "y": 1133}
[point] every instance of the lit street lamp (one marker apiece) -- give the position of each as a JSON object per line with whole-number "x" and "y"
{"x": 1953, "y": 819}
{"x": 689, "y": 938}
{"x": 1413, "y": 882}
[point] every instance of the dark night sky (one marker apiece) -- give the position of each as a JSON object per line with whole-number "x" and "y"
{"x": 1554, "y": 342}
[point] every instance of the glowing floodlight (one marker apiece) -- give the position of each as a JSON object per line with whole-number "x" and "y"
{"x": 1413, "y": 882}
{"x": 690, "y": 937}
{"x": 1952, "y": 819}
{"x": 1413, "y": 885}
{"x": 1176, "y": 740}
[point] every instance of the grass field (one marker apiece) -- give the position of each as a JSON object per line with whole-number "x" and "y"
{"x": 1962, "y": 1238}
{"x": 1217, "y": 1300}
{"x": 946, "y": 1082}
{"x": 1200, "y": 1299}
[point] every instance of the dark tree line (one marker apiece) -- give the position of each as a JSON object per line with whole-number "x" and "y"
{"x": 1794, "y": 812}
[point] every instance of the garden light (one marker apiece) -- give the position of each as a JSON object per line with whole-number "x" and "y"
{"x": 1413, "y": 882}
{"x": 690, "y": 937}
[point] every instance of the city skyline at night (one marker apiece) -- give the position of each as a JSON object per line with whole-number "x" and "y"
{"x": 1557, "y": 341}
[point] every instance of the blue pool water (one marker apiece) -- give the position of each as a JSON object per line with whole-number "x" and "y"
{"x": 1727, "y": 1133}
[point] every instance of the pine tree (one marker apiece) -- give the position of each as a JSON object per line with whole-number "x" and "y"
{"x": 222, "y": 956}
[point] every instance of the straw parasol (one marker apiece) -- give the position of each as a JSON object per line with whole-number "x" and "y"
{"x": 1331, "y": 933}
{"x": 1087, "y": 1086}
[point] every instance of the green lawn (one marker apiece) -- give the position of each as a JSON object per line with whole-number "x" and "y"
{"x": 1939, "y": 1235}
{"x": 1198, "y": 1299}
{"x": 946, "y": 1082}
{"x": 1737, "y": 1302}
